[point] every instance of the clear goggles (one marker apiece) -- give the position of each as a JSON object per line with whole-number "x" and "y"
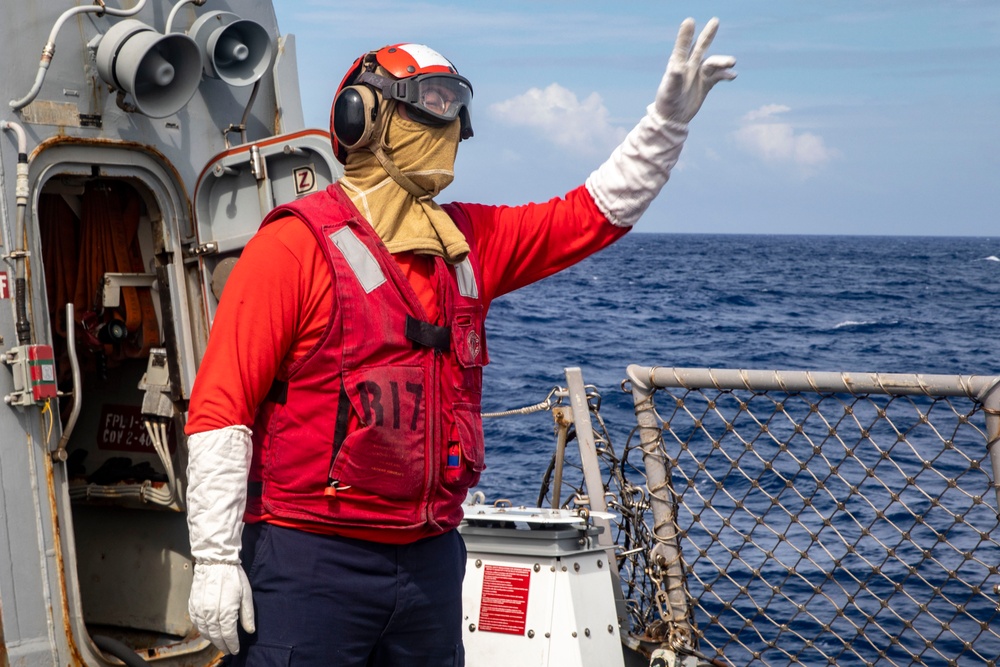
{"x": 438, "y": 97}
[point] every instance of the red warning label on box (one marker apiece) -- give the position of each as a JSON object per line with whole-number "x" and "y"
{"x": 504, "y": 605}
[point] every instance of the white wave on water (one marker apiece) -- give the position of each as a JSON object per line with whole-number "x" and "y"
{"x": 992, "y": 258}
{"x": 855, "y": 323}
{"x": 866, "y": 323}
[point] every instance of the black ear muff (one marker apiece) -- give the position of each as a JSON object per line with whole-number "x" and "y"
{"x": 466, "y": 120}
{"x": 354, "y": 116}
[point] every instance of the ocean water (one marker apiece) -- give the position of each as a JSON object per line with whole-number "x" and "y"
{"x": 821, "y": 303}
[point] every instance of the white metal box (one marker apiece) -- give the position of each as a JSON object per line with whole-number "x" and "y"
{"x": 538, "y": 590}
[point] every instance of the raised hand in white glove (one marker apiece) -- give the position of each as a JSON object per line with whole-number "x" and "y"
{"x": 218, "y": 465}
{"x": 625, "y": 185}
{"x": 690, "y": 75}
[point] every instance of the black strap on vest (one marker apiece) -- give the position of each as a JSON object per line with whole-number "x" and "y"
{"x": 278, "y": 393}
{"x": 340, "y": 428}
{"x": 428, "y": 335}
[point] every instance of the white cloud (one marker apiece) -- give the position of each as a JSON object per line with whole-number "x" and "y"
{"x": 774, "y": 141}
{"x": 765, "y": 111}
{"x": 556, "y": 113}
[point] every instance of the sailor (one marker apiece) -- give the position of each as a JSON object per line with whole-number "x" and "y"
{"x": 334, "y": 427}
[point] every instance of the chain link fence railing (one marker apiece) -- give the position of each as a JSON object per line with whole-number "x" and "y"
{"x": 816, "y": 519}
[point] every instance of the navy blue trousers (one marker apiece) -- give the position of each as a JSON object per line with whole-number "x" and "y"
{"x": 323, "y": 600}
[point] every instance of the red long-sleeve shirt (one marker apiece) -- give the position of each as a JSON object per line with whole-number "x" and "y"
{"x": 277, "y": 300}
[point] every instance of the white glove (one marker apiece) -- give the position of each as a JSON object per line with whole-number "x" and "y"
{"x": 689, "y": 77}
{"x": 218, "y": 465}
{"x": 625, "y": 185}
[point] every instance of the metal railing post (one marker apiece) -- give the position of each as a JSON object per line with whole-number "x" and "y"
{"x": 594, "y": 482}
{"x": 673, "y": 602}
{"x": 563, "y": 419}
{"x": 990, "y": 399}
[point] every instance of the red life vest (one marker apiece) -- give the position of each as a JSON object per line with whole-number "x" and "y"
{"x": 378, "y": 426}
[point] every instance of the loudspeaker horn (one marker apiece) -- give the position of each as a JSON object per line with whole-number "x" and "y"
{"x": 236, "y": 50}
{"x": 161, "y": 72}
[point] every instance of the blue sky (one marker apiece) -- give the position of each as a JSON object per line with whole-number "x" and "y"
{"x": 864, "y": 117}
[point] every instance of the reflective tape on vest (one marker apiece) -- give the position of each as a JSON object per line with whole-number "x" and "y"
{"x": 466, "y": 279}
{"x": 360, "y": 259}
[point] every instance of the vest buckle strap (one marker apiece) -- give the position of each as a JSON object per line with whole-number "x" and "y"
{"x": 278, "y": 393}
{"x": 428, "y": 335}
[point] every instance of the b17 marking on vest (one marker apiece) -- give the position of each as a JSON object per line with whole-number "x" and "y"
{"x": 373, "y": 411}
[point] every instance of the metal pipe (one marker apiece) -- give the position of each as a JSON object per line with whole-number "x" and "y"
{"x": 820, "y": 382}
{"x": 20, "y": 253}
{"x": 176, "y": 8}
{"x": 22, "y": 326}
{"x": 22, "y": 139}
{"x": 666, "y": 553}
{"x": 580, "y": 407}
{"x": 258, "y": 167}
{"x": 246, "y": 111}
{"x": 67, "y": 432}
{"x": 49, "y": 50}
{"x": 585, "y": 439}
{"x": 562, "y": 424}
{"x": 990, "y": 398}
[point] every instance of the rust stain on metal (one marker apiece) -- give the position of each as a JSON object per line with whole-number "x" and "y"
{"x": 75, "y": 657}
{"x": 56, "y": 114}
{"x": 199, "y": 659}
{"x": 152, "y": 151}
{"x": 278, "y": 125}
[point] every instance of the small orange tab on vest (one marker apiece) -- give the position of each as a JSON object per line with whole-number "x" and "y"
{"x": 330, "y": 491}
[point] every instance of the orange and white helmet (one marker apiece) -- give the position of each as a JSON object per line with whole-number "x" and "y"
{"x": 412, "y": 74}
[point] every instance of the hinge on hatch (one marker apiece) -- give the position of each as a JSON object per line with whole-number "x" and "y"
{"x": 208, "y": 248}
